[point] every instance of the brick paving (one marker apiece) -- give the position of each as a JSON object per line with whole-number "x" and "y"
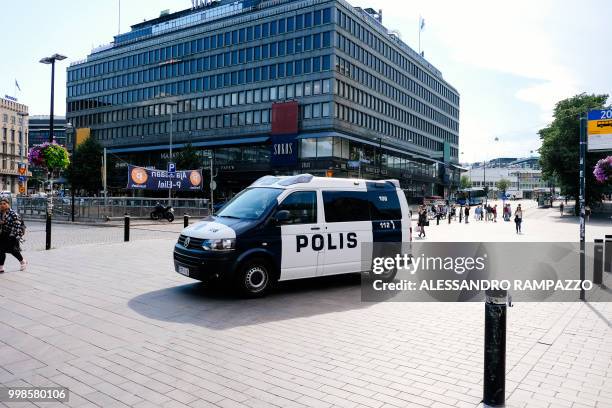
{"x": 117, "y": 326}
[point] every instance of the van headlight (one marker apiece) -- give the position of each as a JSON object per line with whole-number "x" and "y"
{"x": 228, "y": 244}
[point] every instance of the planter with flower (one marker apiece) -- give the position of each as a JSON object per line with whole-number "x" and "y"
{"x": 603, "y": 170}
{"x": 50, "y": 157}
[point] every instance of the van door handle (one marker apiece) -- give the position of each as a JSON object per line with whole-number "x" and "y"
{"x": 315, "y": 229}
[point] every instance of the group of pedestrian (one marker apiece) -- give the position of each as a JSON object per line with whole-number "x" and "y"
{"x": 484, "y": 212}
{"x": 12, "y": 230}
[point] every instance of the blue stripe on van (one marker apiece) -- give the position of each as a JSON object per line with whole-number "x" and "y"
{"x": 387, "y": 231}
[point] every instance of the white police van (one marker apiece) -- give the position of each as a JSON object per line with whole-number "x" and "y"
{"x": 284, "y": 228}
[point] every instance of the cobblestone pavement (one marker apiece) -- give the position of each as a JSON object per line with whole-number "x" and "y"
{"x": 117, "y": 326}
{"x": 65, "y": 234}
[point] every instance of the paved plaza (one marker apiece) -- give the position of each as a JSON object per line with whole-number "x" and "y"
{"x": 113, "y": 322}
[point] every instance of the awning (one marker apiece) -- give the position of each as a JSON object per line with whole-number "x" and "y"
{"x": 365, "y": 141}
{"x": 212, "y": 143}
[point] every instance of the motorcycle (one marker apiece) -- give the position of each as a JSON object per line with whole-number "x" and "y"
{"x": 161, "y": 212}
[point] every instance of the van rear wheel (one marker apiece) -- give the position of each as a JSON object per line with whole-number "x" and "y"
{"x": 254, "y": 278}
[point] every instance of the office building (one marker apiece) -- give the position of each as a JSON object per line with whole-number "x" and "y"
{"x": 14, "y": 138}
{"x": 524, "y": 175}
{"x": 39, "y": 129}
{"x": 272, "y": 87}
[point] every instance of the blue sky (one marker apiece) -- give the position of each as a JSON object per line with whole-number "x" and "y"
{"x": 510, "y": 61}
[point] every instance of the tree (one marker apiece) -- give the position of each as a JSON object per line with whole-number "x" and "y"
{"x": 84, "y": 172}
{"x": 560, "y": 151}
{"x": 188, "y": 158}
{"x": 465, "y": 182}
{"x": 503, "y": 185}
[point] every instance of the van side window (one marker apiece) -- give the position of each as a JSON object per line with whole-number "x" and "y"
{"x": 302, "y": 205}
{"x": 346, "y": 206}
{"x": 384, "y": 205}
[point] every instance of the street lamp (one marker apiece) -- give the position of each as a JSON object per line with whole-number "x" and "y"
{"x": 484, "y": 175}
{"x": 50, "y": 61}
{"x": 171, "y": 105}
{"x": 70, "y": 132}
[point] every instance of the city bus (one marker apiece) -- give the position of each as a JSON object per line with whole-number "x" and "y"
{"x": 471, "y": 196}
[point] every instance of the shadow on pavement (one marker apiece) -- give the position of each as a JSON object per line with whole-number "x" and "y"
{"x": 219, "y": 309}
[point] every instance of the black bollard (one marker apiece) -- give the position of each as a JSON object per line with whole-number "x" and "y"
{"x": 48, "y": 232}
{"x": 126, "y": 228}
{"x": 494, "y": 386}
{"x": 598, "y": 262}
{"x": 608, "y": 254}
{"x": 185, "y": 220}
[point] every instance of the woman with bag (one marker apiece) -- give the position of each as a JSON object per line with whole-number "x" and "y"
{"x": 12, "y": 230}
{"x": 422, "y": 222}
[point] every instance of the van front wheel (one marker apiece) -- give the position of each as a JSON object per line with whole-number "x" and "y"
{"x": 254, "y": 278}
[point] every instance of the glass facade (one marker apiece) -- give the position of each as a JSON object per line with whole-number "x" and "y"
{"x": 383, "y": 105}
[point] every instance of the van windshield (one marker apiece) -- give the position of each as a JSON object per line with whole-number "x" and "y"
{"x": 251, "y": 203}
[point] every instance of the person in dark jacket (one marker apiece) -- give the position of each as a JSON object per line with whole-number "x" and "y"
{"x": 422, "y": 222}
{"x": 467, "y": 214}
{"x": 12, "y": 230}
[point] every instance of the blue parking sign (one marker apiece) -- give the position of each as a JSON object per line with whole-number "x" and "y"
{"x": 171, "y": 167}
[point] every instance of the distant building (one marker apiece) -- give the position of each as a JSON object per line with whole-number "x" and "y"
{"x": 39, "y": 129}
{"x": 525, "y": 176}
{"x": 14, "y": 128}
{"x": 272, "y": 87}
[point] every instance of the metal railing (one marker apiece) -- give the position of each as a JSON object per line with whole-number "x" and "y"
{"x": 101, "y": 209}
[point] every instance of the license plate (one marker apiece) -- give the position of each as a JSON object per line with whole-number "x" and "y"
{"x": 182, "y": 270}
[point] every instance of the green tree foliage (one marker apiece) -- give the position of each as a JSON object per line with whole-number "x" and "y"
{"x": 465, "y": 182}
{"x": 560, "y": 151}
{"x": 85, "y": 172}
{"x": 503, "y": 185}
{"x": 188, "y": 158}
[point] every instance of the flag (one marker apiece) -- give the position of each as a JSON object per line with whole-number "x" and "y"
{"x": 17, "y": 85}
{"x": 421, "y": 23}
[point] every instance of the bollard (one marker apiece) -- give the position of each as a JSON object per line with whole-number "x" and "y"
{"x": 608, "y": 254}
{"x": 48, "y": 232}
{"x": 48, "y": 222}
{"x": 598, "y": 262}
{"x": 494, "y": 386}
{"x": 185, "y": 220}
{"x": 126, "y": 228}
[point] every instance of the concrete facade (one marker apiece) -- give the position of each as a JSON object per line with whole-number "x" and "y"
{"x": 14, "y": 139}
{"x": 364, "y": 96}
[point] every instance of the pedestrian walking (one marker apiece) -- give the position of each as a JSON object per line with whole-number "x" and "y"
{"x": 518, "y": 218}
{"x": 561, "y": 208}
{"x": 467, "y": 214}
{"x": 587, "y": 213}
{"x": 495, "y": 213}
{"x": 422, "y": 222}
{"x": 460, "y": 214}
{"x": 12, "y": 230}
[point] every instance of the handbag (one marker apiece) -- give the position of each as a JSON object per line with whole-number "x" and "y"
{"x": 427, "y": 223}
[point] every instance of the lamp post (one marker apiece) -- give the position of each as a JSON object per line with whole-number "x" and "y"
{"x": 171, "y": 105}
{"x": 484, "y": 175}
{"x": 71, "y": 133}
{"x": 23, "y": 146}
{"x": 50, "y": 61}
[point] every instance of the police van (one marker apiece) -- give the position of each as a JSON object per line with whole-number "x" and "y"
{"x": 294, "y": 227}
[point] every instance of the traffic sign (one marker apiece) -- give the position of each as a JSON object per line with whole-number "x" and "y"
{"x": 22, "y": 189}
{"x": 213, "y": 185}
{"x": 22, "y": 179}
{"x": 171, "y": 167}
{"x": 599, "y": 129}
{"x": 21, "y": 167}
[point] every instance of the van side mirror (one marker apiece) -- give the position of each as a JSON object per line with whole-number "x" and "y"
{"x": 282, "y": 216}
